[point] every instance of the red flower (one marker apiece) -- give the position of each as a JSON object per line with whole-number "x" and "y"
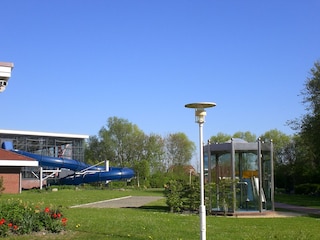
{"x": 64, "y": 221}
{"x": 15, "y": 227}
{"x": 54, "y": 215}
{"x": 2, "y": 221}
{"x": 59, "y": 215}
{"x": 10, "y": 225}
{"x": 46, "y": 210}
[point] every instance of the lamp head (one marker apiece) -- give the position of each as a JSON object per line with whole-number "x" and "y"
{"x": 5, "y": 74}
{"x": 200, "y": 114}
{"x": 200, "y": 111}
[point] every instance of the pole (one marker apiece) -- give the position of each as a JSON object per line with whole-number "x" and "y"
{"x": 41, "y": 177}
{"x": 260, "y": 174}
{"x": 272, "y": 175}
{"x": 209, "y": 177}
{"x": 202, "y": 208}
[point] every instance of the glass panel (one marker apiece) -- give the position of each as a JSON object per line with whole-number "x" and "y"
{"x": 248, "y": 185}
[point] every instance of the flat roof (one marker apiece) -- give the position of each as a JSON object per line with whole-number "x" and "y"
{"x": 45, "y": 134}
{"x": 11, "y": 159}
{"x": 6, "y": 64}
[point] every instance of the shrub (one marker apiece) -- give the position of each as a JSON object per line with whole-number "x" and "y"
{"x": 1, "y": 185}
{"x": 192, "y": 201}
{"x": 312, "y": 189}
{"x": 174, "y": 192}
{"x": 18, "y": 217}
{"x": 182, "y": 196}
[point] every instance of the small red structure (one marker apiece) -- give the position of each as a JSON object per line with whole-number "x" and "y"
{"x": 10, "y": 170}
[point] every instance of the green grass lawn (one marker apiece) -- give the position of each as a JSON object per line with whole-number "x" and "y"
{"x": 155, "y": 222}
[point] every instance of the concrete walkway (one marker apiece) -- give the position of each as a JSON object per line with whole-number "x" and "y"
{"x": 138, "y": 201}
{"x": 124, "y": 202}
{"x": 299, "y": 209}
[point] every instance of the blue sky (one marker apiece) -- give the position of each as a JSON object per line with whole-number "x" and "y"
{"x": 77, "y": 63}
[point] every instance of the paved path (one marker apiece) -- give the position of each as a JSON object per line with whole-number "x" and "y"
{"x": 138, "y": 201}
{"x": 124, "y": 202}
{"x": 300, "y": 209}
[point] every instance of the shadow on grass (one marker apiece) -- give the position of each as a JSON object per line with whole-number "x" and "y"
{"x": 155, "y": 208}
{"x": 152, "y": 208}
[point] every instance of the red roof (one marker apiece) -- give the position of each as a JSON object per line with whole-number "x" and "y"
{"x": 8, "y": 155}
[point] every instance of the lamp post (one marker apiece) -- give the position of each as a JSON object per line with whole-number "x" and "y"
{"x": 200, "y": 114}
{"x": 5, "y": 74}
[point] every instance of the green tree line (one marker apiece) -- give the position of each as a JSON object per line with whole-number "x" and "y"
{"x": 156, "y": 159}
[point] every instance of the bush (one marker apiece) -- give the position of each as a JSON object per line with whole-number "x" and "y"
{"x": 312, "y": 189}
{"x": 158, "y": 180}
{"x": 1, "y": 185}
{"x": 174, "y": 192}
{"x": 182, "y": 196}
{"x": 18, "y": 217}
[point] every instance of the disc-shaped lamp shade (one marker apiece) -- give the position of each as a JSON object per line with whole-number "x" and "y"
{"x": 200, "y": 111}
{"x": 200, "y": 105}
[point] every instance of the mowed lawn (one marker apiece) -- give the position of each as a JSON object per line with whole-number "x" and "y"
{"x": 153, "y": 221}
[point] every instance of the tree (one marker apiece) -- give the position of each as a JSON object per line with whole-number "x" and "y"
{"x": 220, "y": 138}
{"x": 123, "y": 141}
{"x": 247, "y": 136}
{"x": 280, "y": 142}
{"x": 284, "y": 157}
{"x": 155, "y": 153}
{"x": 179, "y": 149}
{"x": 310, "y": 122}
{"x": 94, "y": 151}
{"x": 124, "y": 144}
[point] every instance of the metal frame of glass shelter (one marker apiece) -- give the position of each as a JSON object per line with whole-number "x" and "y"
{"x": 242, "y": 175}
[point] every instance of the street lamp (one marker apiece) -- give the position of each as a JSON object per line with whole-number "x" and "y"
{"x": 200, "y": 114}
{"x": 5, "y": 74}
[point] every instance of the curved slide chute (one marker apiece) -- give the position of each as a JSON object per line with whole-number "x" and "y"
{"x": 83, "y": 173}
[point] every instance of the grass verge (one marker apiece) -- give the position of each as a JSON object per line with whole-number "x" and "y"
{"x": 154, "y": 222}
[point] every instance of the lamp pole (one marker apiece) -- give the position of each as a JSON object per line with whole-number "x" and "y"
{"x": 200, "y": 114}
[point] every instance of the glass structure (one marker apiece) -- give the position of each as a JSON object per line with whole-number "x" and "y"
{"x": 240, "y": 176}
{"x": 47, "y": 144}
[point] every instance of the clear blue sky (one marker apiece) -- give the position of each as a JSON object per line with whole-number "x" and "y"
{"x": 77, "y": 63}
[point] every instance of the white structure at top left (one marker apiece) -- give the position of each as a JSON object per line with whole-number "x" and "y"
{"x": 5, "y": 74}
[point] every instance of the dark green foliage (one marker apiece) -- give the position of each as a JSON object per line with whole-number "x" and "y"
{"x": 192, "y": 196}
{"x": 1, "y": 185}
{"x": 308, "y": 189}
{"x": 174, "y": 191}
{"x": 158, "y": 180}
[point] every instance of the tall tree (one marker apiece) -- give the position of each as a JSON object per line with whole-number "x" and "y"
{"x": 284, "y": 157}
{"x": 247, "y": 136}
{"x": 307, "y": 143}
{"x": 310, "y": 122}
{"x": 155, "y": 153}
{"x": 281, "y": 141}
{"x": 123, "y": 141}
{"x": 220, "y": 138}
{"x": 179, "y": 149}
{"x": 94, "y": 151}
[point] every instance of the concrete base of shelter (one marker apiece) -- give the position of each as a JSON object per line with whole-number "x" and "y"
{"x": 257, "y": 214}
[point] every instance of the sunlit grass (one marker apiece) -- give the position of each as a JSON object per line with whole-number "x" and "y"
{"x": 153, "y": 221}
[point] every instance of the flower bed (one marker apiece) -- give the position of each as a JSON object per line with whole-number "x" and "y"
{"x": 18, "y": 217}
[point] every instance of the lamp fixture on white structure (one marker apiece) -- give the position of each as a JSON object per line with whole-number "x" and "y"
{"x": 200, "y": 114}
{"x": 5, "y": 74}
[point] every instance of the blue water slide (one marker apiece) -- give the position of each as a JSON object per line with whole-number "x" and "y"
{"x": 84, "y": 173}
{"x": 93, "y": 173}
{"x": 114, "y": 173}
{"x": 46, "y": 161}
